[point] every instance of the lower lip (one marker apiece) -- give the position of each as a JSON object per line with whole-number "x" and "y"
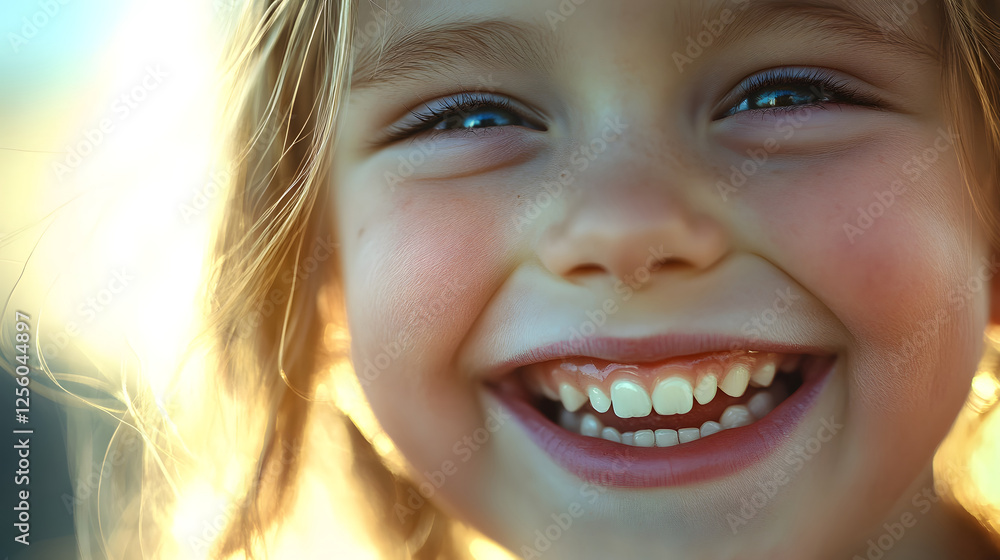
{"x": 610, "y": 464}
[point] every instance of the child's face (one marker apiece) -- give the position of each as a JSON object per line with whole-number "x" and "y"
{"x": 687, "y": 189}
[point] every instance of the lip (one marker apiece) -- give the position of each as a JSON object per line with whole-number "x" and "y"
{"x": 610, "y": 464}
{"x": 648, "y": 349}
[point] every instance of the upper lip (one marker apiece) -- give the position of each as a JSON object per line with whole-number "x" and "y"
{"x": 639, "y": 350}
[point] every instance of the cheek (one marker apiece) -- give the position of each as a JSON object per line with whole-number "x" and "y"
{"x": 878, "y": 245}
{"x": 893, "y": 255}
{"x": 868, "y": 262}
{"x": 420, "y": 266}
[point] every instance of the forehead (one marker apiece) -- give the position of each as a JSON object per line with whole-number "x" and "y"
{"x": 400, "y": 36}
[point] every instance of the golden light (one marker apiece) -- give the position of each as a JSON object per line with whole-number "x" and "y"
{"x": 985, "y": 391}
{"x": 984, "y": 461}
{"x": 484, "y": 549}
{"x": 350, "y": 398}
{"x": 969, "y": 458}
{"x": 200, "y": 518}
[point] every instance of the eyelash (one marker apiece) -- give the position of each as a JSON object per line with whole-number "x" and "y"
{"x": 428, "y": 116}
{"x": 829, "y": 86}
{"x": 840, "y": 91}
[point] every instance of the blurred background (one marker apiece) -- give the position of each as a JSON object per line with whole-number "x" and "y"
{"x": 107, "y": 112}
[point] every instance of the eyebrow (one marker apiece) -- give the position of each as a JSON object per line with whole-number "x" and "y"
{"x": 429, "y": 51}
{"x": 866, "y": 23}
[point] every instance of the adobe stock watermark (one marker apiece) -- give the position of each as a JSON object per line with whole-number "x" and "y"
{"x": 372, "y": 368}
{"x": 563, "y": 521}
{"x": 580, "y": 159}
{"x": 900, "y": 14}
{"x": 31, "y": 26}
{"x": 757, "y": 157}
{"x": 624, "y": 289}
{"x": 699, "y": 42}
{"x": 223, "y": 6}
{"x": 563, "y": 12}
{"x": 202, "y": 529}
{"x": 210, "y": 524}
{"x": 274, "y": 468}
{"x": 202, "y": 197}
{"x": 408, "y": 164}
{"x": 86, "y": 488}
{"x": 794, "y": 461}
{"x": 89, "y": 308}
{"x": 895, "y": 529}
{"x": 463, "y": 449}
{"x": 913, "y": 169}
{"x": 323, "y": 249}
{"x": 122, "y": 107}
{"x": 958, "y": 297}
{"x": 757, "y": 326}
{"x": 376, "y": 27}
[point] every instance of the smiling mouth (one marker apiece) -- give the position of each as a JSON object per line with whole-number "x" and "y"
{"x": 671, "y": 422}
{"x": 665, "y": 404}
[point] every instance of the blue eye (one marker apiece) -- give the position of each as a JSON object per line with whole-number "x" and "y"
{"x": 482, "y": 117}
{"x": 782, "y": 97}
{"x": 467, "y": 112}
{"x": 793, "y": 88}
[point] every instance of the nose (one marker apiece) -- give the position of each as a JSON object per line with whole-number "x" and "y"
{"x": 630, "y": 233}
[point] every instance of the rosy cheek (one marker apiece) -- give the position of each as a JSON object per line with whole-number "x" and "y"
{"x": 434, "y": 260}
{"x": 886, "y": 272}
{"x": 419, "y": 275}
{"x": 882, "y": 265}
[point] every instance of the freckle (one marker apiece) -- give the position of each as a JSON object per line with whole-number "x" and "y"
{"x": 361, "y": 232}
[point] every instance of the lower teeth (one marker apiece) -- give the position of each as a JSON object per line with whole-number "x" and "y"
{"x": 736, "y": 416}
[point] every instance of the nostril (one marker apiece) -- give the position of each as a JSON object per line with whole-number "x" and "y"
{"x": 627, "y": 246}
{"x": 667, "y": 265}
{"x": 587, "y": 269}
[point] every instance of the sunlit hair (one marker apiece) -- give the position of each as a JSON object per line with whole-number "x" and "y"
{"x": 971, "y": 58}
{"x": 274, "y": 341}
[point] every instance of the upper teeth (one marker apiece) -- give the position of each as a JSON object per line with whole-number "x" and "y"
{"x": 764, "y": 375}
{"x": 673, "y": 391}
{"x": 598, "y": 399}
{"x": 735, "y": 383}
{"x": 705, "y": 391}
{"x": 629, "y": 399}
{"x": 673, "y": 395}
{"x": 571, "y": 397}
